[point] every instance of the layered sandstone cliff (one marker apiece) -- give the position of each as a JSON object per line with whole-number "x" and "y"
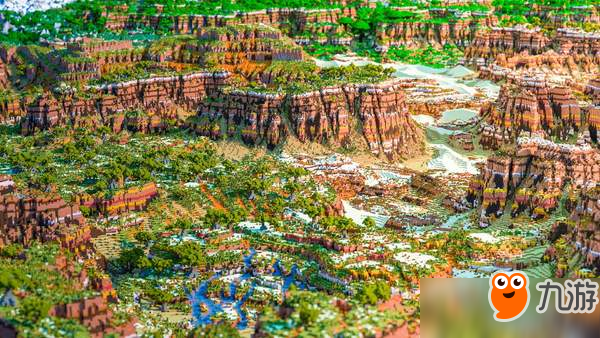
{"x": 535, "y": 179}
{"x": 505, "y": 53}
{"x": 124, "y": 201}
{"x": 158, "y": 98}
{"x": 37, "y": 216}
{"x": 488, "y": 43}
{"x": 585, "y": 226}
{"x": 94, "y": 314}
{"x": 532, "y": 107}
{"x": 458, "y": 32}
{"x": 297, "y": 19}
{"x": 324, "y": 116}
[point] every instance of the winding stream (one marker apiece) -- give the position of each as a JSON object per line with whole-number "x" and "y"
{"x": 198, "y": 297}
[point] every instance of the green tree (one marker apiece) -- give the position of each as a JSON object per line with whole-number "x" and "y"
{"x": 131, "y": 259}
{"x": 190, "y": 254}
{"x": 145, "y": 237}
{"x": 34, "y": 308}
{"x": 307, "y": 312}
{"x": 11, "y": 251}
{"x": 161, "y": 265}
{"x": 369, "y": 222}
{"x": 221, "y": 329}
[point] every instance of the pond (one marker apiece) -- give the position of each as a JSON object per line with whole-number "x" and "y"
{"x": 461, "y": 114}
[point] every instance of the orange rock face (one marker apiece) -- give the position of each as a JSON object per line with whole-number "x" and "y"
{"x": 531, "y": 108}
{"x": 95, "y": 315}
{"x": 535, "y": 178}
{"x": 24, "y": 218}
{"x": 128, "y": 200}
{"x": 327, "y": 115}
{"x": 415, "y": 34}
{"x": 487, "y": 44}
{"x": 159, "y": 98}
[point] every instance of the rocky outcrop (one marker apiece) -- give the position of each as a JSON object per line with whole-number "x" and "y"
{"x": 570, "y": 41}
{"x": 94, "y": 314}
{"x": 256, "y": 117}
{"x": 585, "y": 227}
{"x": 488, "y": 43}
{"x": 158, "y": 98}
{"x": 325, "y": 116}
{"x": 592, "y": 89}
{"x": 90, "y": 46}
{"x": 534, "y": 179}
{"x": 458, "y": 32}
{"x": 506, "y": 53}
{"x": 550, "y": 16}
{"x": 298, "y": 19}
{"x": 36, "y": 216}
{"x": 511, "y": 68}
{"x": 532, "y": 107}
{"x": 131, "y": 199}
{"x": 231, "y": 45}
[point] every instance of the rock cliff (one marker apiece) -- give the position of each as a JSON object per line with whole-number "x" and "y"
{"x": 120, "y": 105}
{"x": 324, "y": 116}
{"x": 128, "y": 200}
{"x": 36, "y": 216}
{"x": 533, "y": 107}
{"x": 535, "y": 179}
{"x": 488, "y": 43}
{"x": 95, "y": 315}
{"x": 296, "y": 19}
{"x": 584, "y": 224}
{"x": 459, "y": 32}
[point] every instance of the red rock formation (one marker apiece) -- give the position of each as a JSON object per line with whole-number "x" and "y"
{"x": 585, "y": 229}
{"x": 487, "y": 44}
{"x": 322, "y": 116}
{"x": 415, "y": 34}
{"x": 11, "y": 110}
{"x": 503, "y": 53}
{"x": 160, "y": 96}
{"x": 532, "y": 107}
{"x": 44, "y": 217}
{"x": 534, "y": 178}
{"x": 550, "y": 16}
{"x": 577, "y": 42}
{"x": 95, "y": 315}
{"x": 131, "y": 199}
{"x": 90, "y": 46}
{"x": 511, "y": 68}
{"x": 188, "y": 24}
{"x": 462, "y": 140}
{"x": 593, "y": 90}
{"x": 255, "y": 115}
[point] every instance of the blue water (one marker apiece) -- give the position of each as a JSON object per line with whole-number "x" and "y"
{"x": 198, "y": 297}
{"x": 289, "y": 279}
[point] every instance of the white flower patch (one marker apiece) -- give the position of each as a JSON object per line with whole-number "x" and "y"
{"x": 367, "y": 263}
{"x": 484, "y": 237}
{"x": 414, "y": 258}
{"x": 397, "y": 246}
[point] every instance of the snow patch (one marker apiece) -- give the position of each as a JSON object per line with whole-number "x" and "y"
{"x": 32, "y": 5}
{"x": 414, "y": 258}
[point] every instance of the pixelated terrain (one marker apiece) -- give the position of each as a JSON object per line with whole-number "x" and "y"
{"x": 287, "y": 168}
